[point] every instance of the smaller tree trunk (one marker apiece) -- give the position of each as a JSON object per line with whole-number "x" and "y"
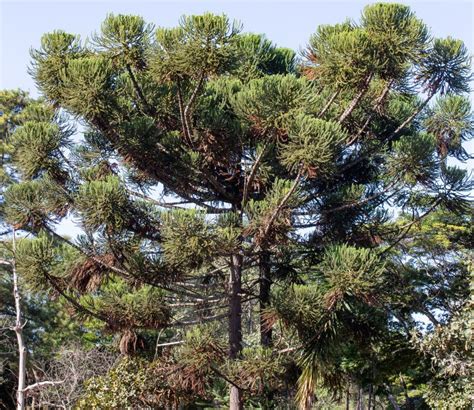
{"x": 369, "y": 401}
{"x": 235, "y": 324}
{"x": 328, "y": 104}
{"x": 18, "y": 329}
{"x": 348, "y": 397}
{"x": 360, "y": 399}
{"x": 356, "y": 99}
{"x": 264, "y": 297}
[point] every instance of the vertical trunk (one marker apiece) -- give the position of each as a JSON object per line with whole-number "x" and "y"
{"x": 348, "y": 397}
{"x": 378, "y": 103}
{"x": 18, "y": 328}
{"x": 235, "y": 323}
{"x": 360, "y": 399}
{"x": 369, "y": 403}
{"x": 408, "y": 400}
{"x": 264, "y": 296}
{"x": 264, "y": 300}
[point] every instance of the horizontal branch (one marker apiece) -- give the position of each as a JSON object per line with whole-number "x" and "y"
{"x": 41, "y": 384}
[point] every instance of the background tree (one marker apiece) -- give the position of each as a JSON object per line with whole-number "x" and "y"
{"x": 42, "y": 324}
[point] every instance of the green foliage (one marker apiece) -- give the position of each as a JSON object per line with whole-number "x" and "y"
{"x": 128, "y": 308}
{"x": 214, "y": 109}
{"x": 86, "y": 85}
{"x": 452, "y": 123}
{"x": 259, "y": 372}
{"x": 447, "y": 67}
{"x": 269, "y": 220}
{"x": 312, "y": 144}
{"x": 344, "y": 275}
{"x": 328, "y": 309}
{"x": 414, "y": 158}
{"x": 37, "y": 146}
{"x": 120, "y": 387}
{"x": 450, "y": 349}
{"x": 349, "y": 271}
{"x": 40, "y": 261}
{"x": 218, "y": 182}
{"x": 126, "y": 38}
{"x": 270, "y": 102}
{"x": 34, "y": 204}
{"x": 11, "y": 105}
{"x": 397, "y": 36}
{"x": 340, "y": 55}
{"x": 200, "y": 46}
{"x": 188, "y": 241}
{"x": 57, "y": 49}
{"x": 261, "y": 57}
{"x": 99, "y": 201}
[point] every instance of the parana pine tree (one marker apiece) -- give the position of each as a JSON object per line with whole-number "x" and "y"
{"x": 226, "y": 188}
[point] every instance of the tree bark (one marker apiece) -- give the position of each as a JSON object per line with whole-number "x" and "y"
{"x": 328, "y": 104}
{"x": 235, "y": 324}
{"x": 360, "y": 399}
{"x": 264, "y": 296}
{"x": 369, "y": 402}
{"x": 18, "y": 328}
{"x": 356, "y": 99}
{"x": 348, "y": 397}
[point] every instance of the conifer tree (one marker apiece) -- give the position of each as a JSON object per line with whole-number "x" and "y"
{"x": 216, "y": 170}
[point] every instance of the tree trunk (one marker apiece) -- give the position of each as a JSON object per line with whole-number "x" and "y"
{"x": 369, "y": 403}
{"x": 360, "y": 399}
{"x": 348, "y": 397}
{"x": 264, "y": 296}
{"x": 235, "y": 323}
{"x": 264, "y": 300}
{"x": 408, "y": 400}
{"x": 18, "y": 328}
{"x": 412, "y": 116}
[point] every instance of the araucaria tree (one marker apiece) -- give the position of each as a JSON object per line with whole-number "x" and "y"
{"x": 226, "y": 187}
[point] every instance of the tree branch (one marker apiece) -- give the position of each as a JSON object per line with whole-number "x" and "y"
{"x": 328, "y": 104}
{"x": 253, "y": 171}
{"x": 283, "y": 202}
{"x": 356, "y": 99}
{"x": 191, "y": 102}
{"x": 41, "y": 384}
{"x": 147, "y": 108}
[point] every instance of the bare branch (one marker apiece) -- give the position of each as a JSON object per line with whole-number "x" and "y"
{"x": 328, "y": 104}
{"x": 41, "y": 384}
{"x": 356, "y": 99}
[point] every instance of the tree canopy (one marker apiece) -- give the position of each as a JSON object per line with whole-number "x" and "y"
{"x": 256, "y": 226}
